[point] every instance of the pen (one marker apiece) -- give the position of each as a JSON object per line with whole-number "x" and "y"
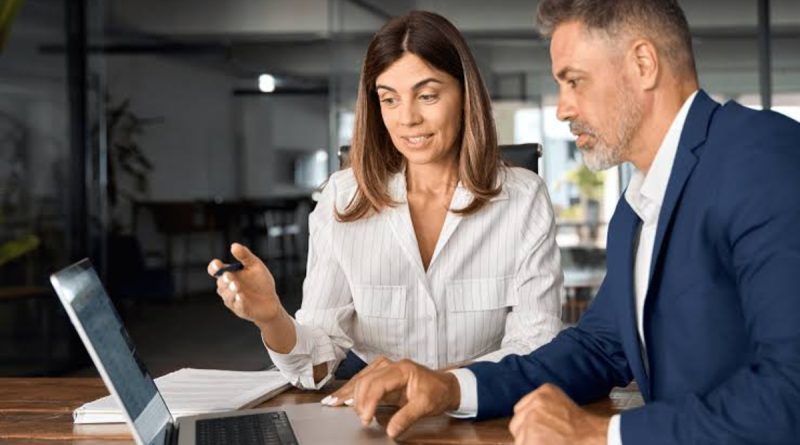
{"x": 232, "y": 267}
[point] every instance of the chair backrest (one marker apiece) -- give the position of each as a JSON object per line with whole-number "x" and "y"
{"x": 522, "y": 155}
{"x": 519, "y": 155}
{"x": 344, "y": 156}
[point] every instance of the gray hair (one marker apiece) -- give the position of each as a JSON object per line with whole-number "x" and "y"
{"x": 661, "y": 21}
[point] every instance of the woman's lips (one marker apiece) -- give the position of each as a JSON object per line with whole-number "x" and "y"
{"x": 416, "y": 141}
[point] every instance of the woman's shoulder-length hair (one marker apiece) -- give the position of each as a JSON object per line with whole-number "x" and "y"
{"x": 373, "y": 157}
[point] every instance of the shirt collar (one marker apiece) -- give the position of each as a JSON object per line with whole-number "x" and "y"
{"x": 397, "y": 186}
{"x": 646, "y": 191}
{"x": 398, "y": 190}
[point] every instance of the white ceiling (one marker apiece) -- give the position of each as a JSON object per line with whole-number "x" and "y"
{"x": 271, "y": 17}
{"x": 294, "y": 37}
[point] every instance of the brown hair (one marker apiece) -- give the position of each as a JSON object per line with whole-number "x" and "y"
{"x": 374, "y": 158}
{"x": 661, "y": 21}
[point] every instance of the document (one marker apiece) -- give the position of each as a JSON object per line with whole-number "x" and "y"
{"x": 192, "y": 391}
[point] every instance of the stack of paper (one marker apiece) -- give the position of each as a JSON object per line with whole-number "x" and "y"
{"x": 196, "y": 391}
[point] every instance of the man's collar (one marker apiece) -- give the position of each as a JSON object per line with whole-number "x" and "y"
{"x": 650, "y": 188}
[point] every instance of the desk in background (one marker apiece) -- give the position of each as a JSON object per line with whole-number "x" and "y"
{"x": 270, "y": 227}
{"x": 39, "y": 410}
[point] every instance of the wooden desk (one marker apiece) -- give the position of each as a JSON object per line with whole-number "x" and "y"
{"x": 39, "y": 410}
{"x": 243, "y": 220}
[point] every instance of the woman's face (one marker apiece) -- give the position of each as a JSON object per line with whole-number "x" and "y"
{"x": 421, "y": 108}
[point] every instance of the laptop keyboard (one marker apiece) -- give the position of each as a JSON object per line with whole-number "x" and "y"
{"x": 271, "y": 428}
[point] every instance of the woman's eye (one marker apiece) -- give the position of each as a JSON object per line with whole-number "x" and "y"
{"x": 427, "y": 97}
{"x": 387, "y": 101}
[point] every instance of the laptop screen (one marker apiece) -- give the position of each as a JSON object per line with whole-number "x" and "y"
{"x": 100, "y": 327}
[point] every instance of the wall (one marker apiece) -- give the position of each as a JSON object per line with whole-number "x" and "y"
{"x": 192, "y": 142}
{"x": 273, "y": 128}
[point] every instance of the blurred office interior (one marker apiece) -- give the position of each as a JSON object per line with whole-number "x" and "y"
{"x": 148, "y": 135}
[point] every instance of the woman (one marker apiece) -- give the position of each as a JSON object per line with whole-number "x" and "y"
{"x": 427, "y": 247}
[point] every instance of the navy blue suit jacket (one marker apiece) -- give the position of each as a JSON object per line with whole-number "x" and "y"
{"x": 722, "y": 313}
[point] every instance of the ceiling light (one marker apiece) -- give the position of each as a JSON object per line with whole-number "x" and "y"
{"x": 266, "y": 83}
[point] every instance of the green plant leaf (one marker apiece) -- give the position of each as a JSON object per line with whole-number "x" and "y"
{"x": 13, "y": 249}
{"x": 8, "y": 10}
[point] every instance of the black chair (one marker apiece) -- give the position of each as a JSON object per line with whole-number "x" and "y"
{"x": 131, "y": 278}
{"x": 522, "y": 155}
{"x": 519, "y": 155}
{"x": 344, "y": 156}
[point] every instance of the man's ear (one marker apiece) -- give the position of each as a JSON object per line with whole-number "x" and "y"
{"x": 645, "y": 63}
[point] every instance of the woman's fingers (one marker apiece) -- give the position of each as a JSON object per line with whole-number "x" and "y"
{"x": 244, "y": 255}
{"x": 233, "y": 283}
{"x": 345, "y": 393}
{"x": 229, "y": 294}
{"x": 250, "y": 293}
{"x": 214, "y": 266}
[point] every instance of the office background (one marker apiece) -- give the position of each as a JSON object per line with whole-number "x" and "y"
{"x": 147, "y": 135}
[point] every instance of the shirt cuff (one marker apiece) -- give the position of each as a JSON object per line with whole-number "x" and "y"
{"x": 614, "y": 437}
{"x": 298, "y": 364}
{"x": 468, "y": 385}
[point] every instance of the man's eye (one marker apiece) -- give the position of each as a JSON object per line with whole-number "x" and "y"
{"x": 573, "y": 82}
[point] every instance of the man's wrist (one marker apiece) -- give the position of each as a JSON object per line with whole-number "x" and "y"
{"x": 453, "y": 391}
{"x": 600, "y": 425}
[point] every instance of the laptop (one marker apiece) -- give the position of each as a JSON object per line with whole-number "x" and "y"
{"x": 82, "y": 294}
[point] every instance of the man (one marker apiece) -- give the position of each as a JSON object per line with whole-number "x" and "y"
{"x": 701, "y": 296}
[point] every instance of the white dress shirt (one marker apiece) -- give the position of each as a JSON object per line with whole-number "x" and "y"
{"x": 644, "y": 194}
{"x": 492, "y": 288}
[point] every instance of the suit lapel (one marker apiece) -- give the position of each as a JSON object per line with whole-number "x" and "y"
{"x": 692, "y": 137}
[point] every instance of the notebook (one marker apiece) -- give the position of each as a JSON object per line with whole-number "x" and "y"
{"x": 190, "y": 391}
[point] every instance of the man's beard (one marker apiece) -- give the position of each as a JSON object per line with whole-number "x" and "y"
{"x": 604, "y": 154}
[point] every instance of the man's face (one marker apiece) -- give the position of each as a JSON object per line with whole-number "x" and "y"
{"x": 595, "y": 95}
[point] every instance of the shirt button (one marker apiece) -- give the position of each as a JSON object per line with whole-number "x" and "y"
{"x": 429, "y": 318}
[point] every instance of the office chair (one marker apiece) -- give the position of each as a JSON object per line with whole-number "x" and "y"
{"x": 519, "y": 155}
{"x": 344, "y": 156}
{"x": 522, "y": 155}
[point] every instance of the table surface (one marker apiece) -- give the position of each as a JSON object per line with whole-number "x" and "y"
{"x": 39, "y": 411}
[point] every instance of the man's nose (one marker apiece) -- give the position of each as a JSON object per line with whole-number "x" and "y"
{"x": 565, "y": 111}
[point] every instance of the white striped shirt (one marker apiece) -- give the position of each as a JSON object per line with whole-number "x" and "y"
{"x": 493, "y": 286}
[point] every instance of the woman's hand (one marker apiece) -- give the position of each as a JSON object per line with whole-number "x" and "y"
{"x": 344, "y": 395}
{"x": 249, "y": 293}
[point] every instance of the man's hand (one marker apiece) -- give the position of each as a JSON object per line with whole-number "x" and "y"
{"x": 344, "y": 395}
{"x": 419, "y": 392}
{"x": 547, "y": 415}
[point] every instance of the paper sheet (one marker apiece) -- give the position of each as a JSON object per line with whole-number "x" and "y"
{"x": 192, "y": 391}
